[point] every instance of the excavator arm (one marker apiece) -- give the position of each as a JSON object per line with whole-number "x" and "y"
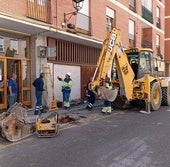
{"x": 113, "y": 50}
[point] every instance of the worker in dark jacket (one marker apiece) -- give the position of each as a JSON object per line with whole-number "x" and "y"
{"x": 91, "y": 97}
{"x": 39, "y": 88}
{"x": 66, "y": 89}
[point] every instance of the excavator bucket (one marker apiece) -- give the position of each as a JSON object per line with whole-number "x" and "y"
{"x": 15, "y": 124}
{"x": 106, "y": 94}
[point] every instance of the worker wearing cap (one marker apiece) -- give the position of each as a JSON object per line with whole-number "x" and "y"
{"x": 66, "y": 89}
{"x": 39, "y": 88}
{"x": 107, "y": 104}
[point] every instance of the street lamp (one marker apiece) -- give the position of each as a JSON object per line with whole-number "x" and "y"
{"x": 77, "y": 4}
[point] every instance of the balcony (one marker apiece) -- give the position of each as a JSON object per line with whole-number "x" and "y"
{"x": 147, "y": 15}
{"x": 83, "y": 24}
{"x": 146, "y": 44}
{"x": 132, "y": 5}
{"x": 39, "y": 10}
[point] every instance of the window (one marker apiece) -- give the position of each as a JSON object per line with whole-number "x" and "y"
{"x": 1, "y": 44}
{"x": 131, "y": 33}
{"x": 157, "y": 12}
{"x": 157, "y": 41}
{"x": 158, "y": 22}
{"x": 132, "y": 5}
{"x": 14, "y": 45}
{"x": 85, "y": 8}
{"x": 110, "y": 15}
{"x": 83, "y": 19}
{"x": 158, "y": 44}
{"x": 147, "y": 4}
{"x": 109, "y": 23}
{"x": 42, "y": 2}
{"x": 131, "y": 29}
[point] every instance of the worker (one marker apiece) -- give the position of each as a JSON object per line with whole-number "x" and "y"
{"x": 107, "y": 104}
{"x": 39, "y": 88}
{"x": 91, "y": 97}
{"x": 12, "y": 89}
{"x": 66, "y": 89}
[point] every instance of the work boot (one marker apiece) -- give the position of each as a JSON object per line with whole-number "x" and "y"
{"x": 104, "y": 110}
{"x": 89, "y": 106}
{"x": 109, "y": 110}
{"x": 36, "y": 112}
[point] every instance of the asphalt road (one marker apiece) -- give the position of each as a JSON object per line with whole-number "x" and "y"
{"x": 122, "y": 139}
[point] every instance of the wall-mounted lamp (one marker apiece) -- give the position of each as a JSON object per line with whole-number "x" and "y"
{"x": 77, "y": 4}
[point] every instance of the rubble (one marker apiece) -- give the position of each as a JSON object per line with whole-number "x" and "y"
{"x": 15, "y": 124}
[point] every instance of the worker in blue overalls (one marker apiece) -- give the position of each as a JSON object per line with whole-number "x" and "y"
{"x": 39, "y": 88}
{"x": 66, "y": 89}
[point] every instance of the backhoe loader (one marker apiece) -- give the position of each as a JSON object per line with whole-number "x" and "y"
{"x": 134, "y": 75}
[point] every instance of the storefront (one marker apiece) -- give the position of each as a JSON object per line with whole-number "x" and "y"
{"x": 15, "y": 58}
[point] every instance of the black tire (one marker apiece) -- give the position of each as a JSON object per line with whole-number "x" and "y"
{"x": 119, "y": 102}
{"x": 156, "y": 96}
{"x": 166, "y": 95}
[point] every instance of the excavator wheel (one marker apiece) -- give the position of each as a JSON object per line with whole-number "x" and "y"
{"x": 156, "y": 96}
{"x": 119, "y": 102}
{"x": 166, "y": 95}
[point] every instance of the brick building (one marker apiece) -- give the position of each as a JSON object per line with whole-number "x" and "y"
{"x": 36, "y": 33}
{"x": 167, "y": 37}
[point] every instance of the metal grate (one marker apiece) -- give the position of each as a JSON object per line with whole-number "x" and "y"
{"x": 76, "y": 53}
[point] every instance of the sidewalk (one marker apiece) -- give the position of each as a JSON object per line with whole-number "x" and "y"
{"x": 75, "y": 108}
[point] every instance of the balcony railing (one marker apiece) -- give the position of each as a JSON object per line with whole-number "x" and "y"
{"x": 146, "y": 44}
{"x": 83, "y": 24}
{"x": 147, "y": 15}
{"x": 39, "y": 10}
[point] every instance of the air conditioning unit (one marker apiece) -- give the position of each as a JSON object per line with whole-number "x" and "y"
{"x": 42, "y": 51}
{"x": 51, "y": 51}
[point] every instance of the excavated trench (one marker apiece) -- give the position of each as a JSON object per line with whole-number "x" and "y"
{"x": 70, "y": 119}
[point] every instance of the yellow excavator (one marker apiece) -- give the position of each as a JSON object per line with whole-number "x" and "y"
{"x": 134, "y": 75}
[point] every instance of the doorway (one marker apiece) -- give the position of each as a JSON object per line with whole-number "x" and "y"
{"x": 22, "y": 68}
{"x": 3, "y": 84}
{"x": 14, "y": 66}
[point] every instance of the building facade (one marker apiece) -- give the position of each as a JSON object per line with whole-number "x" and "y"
{"x": 167, "y": 37}
{"x": 54, "y": 33}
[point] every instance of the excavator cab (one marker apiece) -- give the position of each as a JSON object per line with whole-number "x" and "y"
{"x": 140, "y": 61}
